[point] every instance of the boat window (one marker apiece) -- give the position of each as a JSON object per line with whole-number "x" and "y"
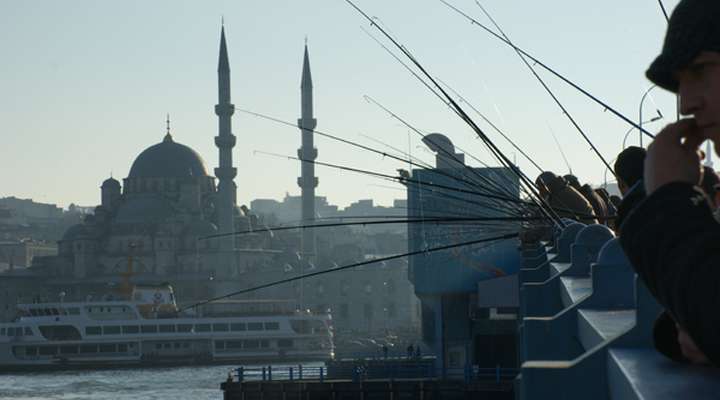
{"x": 130, "y": 329}
{"x": 148, "y": 329}
{"x": 59, "y": 332}
{"x": 220, "y": 327}
{"x": 176, "y": 345}
{"x": 48, "y": 350}
{"x": 88, "y": 348}
{"x": 255, "y": 326}
{"x": 158, "y": 346}
{"x": 47, "y": 311}
{"x": 219, "y": 345}
{"x": 31, "y": 351}
{"x": 238, "y": 326}
{"x": 167, "y": 328}
{"x": 11, "y": 331}
{"x": 272, "y": 326}
{"x": 73, "y": 311}
{"x": 122, "y": 348}
{"x": 186, "y": 345}
{"x": 233, "y": 344}
{"x": 167, "y": 345}
{"x": 184, "y": 328}
{"x": 202, "y": 328}
{"x": 33, "y": 312}
{"x": 107, "y": 348}
{"x": 55, "y": 311}
{"x": 2, "y": 331}
{"x": 111, "y": 330}
{"x": 264, "y": 343}
{"x": 251, "y": 344}
{"x": 285, "y": 343}
{"x": 68, "y": 349}
{"x": 93, "y": 330}
{"x": 28, "y": 331}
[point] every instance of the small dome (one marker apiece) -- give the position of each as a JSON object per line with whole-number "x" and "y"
{"x": 110, "y": 183}
{"x": 168, "y": 159}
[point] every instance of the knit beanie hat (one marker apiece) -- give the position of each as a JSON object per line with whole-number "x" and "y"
{"x": 694, "y": 27}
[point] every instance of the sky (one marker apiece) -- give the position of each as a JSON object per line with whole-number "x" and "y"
{"x": 85, "y": 87}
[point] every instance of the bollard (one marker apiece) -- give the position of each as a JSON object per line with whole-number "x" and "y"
{"x": 270, "y": 372}
{"x": 321, "y": 374}
{"x": 291, "y": 372}
{"x": 300, "y": 371}
{"x": 263, "y": 373}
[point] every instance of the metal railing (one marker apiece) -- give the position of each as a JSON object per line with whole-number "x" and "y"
{"x": 359, "y": 373}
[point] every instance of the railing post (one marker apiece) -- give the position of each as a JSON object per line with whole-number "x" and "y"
{"x": 263, "y": 373}
{"x": 497, "y": 373}
{"x": 291, "y": 373}
{"x": 241, "y": 374}
{"x": 300, "y": 371}
{"x": 321, "y": 374}
{"x": 269, "y": 372}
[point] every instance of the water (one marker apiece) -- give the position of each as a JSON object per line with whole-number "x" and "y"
{"x": 183, "y": 383}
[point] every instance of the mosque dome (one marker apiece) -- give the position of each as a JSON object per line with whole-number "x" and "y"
{"x": 110, "y": 183}
{"x": 168, "y": 159}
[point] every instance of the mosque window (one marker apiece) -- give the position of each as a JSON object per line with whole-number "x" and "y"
{"x": 368, "y": 288}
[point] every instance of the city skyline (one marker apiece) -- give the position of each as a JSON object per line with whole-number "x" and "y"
{"x": 79, "y": 106}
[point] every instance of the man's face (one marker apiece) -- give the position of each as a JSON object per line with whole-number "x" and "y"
{"x": 699, "y": 91}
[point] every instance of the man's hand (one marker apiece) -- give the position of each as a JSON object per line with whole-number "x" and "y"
{"x": 690, "y": 349}
{"x": 673, "y": 156}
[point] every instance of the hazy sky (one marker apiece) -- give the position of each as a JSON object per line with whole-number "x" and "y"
{"x": 85, "y": 85}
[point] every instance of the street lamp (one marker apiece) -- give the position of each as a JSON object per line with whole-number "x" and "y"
{"x": 640, "y": 121}
{"x": 653, "y": 119}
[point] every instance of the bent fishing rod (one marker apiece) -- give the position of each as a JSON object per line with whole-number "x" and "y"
{"x": 350, "y": 266}
{"x": 587, "y": 94}
{"x": 547, "y": 89}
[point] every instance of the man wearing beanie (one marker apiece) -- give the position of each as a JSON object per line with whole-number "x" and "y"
{"x": 671, "y": 238}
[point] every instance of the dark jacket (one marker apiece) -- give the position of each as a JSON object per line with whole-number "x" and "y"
{"x": 632, "y": 199}
{"x": 597, "y": 203}
{"x": 673, "y": 242}
{"x": 569, "y": 203}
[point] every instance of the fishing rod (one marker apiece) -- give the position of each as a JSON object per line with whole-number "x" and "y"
{"x": 363, "y": 147}
{"x": 492, "y": 125}
{"x": 430, "y": 221}
{"x": 466, "y": 118}
{"x": 427, "y": 85}
{"x": 350, "y": 266}
{"x": 662, "y": 7}
{"x": 545, "y": 86}
{"x": 400, "y": 179}
{"x": 562, "y": 153}
{"x": 605, "y": 106}
{"x": 440, "y": 148}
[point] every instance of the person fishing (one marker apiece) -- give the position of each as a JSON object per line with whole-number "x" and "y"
{"x": 597, "y": 203}
{"x": 564, "y": 199}
{"x": 629, "y": 167}
{"x": 671, "y": 238}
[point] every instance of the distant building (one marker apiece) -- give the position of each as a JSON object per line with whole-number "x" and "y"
{"x": 28, "y": 211}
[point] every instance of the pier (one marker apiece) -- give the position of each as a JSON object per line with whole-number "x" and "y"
{"x": 382, "y": 380}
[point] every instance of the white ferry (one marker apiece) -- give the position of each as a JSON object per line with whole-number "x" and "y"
{"x": 148, "y": 329}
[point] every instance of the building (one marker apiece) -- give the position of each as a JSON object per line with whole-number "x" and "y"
{"x": 468, "y": 294}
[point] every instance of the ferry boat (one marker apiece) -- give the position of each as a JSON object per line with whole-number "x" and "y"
{"x": 149, "y": 329}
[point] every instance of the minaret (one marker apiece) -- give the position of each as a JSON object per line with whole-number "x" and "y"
{"x": 225, "y": 141}
{"x": 307, "y": 181}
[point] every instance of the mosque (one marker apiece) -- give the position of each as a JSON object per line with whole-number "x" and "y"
{"x": 155, "y": 225}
